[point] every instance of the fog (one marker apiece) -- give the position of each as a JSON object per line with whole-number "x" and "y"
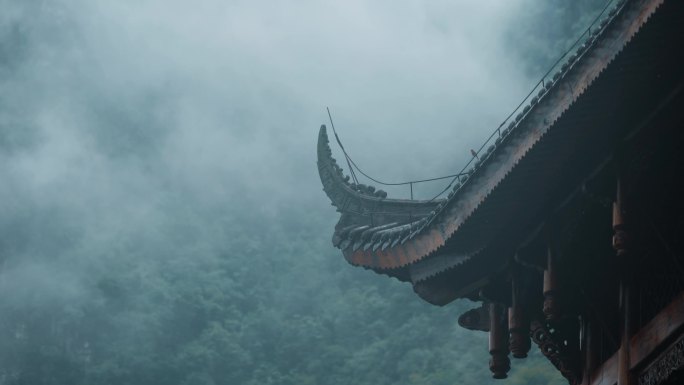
{"x": 151, "y": 149}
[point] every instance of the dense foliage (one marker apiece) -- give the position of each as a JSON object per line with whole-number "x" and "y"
{"x": 266, "y": 305}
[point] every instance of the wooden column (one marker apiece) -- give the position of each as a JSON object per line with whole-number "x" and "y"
{"x": 620, "y": 238}
{"x": 518, "y": 322}
{"x": 624, "y": 376}
{"x": 499, "y": 364}
{"x": 621, "y": 246}
{"x": 551, "y": 287}
{"x": 589, "y": 346}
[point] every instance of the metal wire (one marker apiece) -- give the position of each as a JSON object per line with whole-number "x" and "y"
{"x": 476, "y": 154}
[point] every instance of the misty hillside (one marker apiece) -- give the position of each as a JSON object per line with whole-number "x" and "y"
{"x": 161, "y": 218}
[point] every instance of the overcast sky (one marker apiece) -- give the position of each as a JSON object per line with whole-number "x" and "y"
{"x": 119, "y": 119}
{"x": 221, "y": 93}
{"x": 126, "y": 125}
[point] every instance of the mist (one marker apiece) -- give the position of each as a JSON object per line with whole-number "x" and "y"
{"x": 161, "y": 216}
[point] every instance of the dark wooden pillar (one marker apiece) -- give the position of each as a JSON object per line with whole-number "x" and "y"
{"x": 624, "y": 375}
{"x": 518, "y": 321}
{"x": 621, "y": 246}
{"x": 551, "y": 287}
{"x": 589, "y": 350}
{"x": 499, "y": 364}
{"x": 620, "y": 238}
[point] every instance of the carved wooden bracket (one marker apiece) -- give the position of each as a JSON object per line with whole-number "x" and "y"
{"x": 555, "y": 340}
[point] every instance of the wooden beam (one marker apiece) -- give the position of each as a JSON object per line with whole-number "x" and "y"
{"x": 646, "y": 342}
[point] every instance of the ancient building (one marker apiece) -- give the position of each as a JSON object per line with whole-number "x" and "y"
{"x": 569, "y": 226}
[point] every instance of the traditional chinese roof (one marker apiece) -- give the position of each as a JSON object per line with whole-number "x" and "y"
{"x": 448, "y": 248}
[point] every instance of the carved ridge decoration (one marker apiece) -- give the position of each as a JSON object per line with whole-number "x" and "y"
{"x": 666, "y": 364}
{"x": 553, "y": 348}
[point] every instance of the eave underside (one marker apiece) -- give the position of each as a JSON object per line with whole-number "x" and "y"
{"x": 643, "y": 82}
